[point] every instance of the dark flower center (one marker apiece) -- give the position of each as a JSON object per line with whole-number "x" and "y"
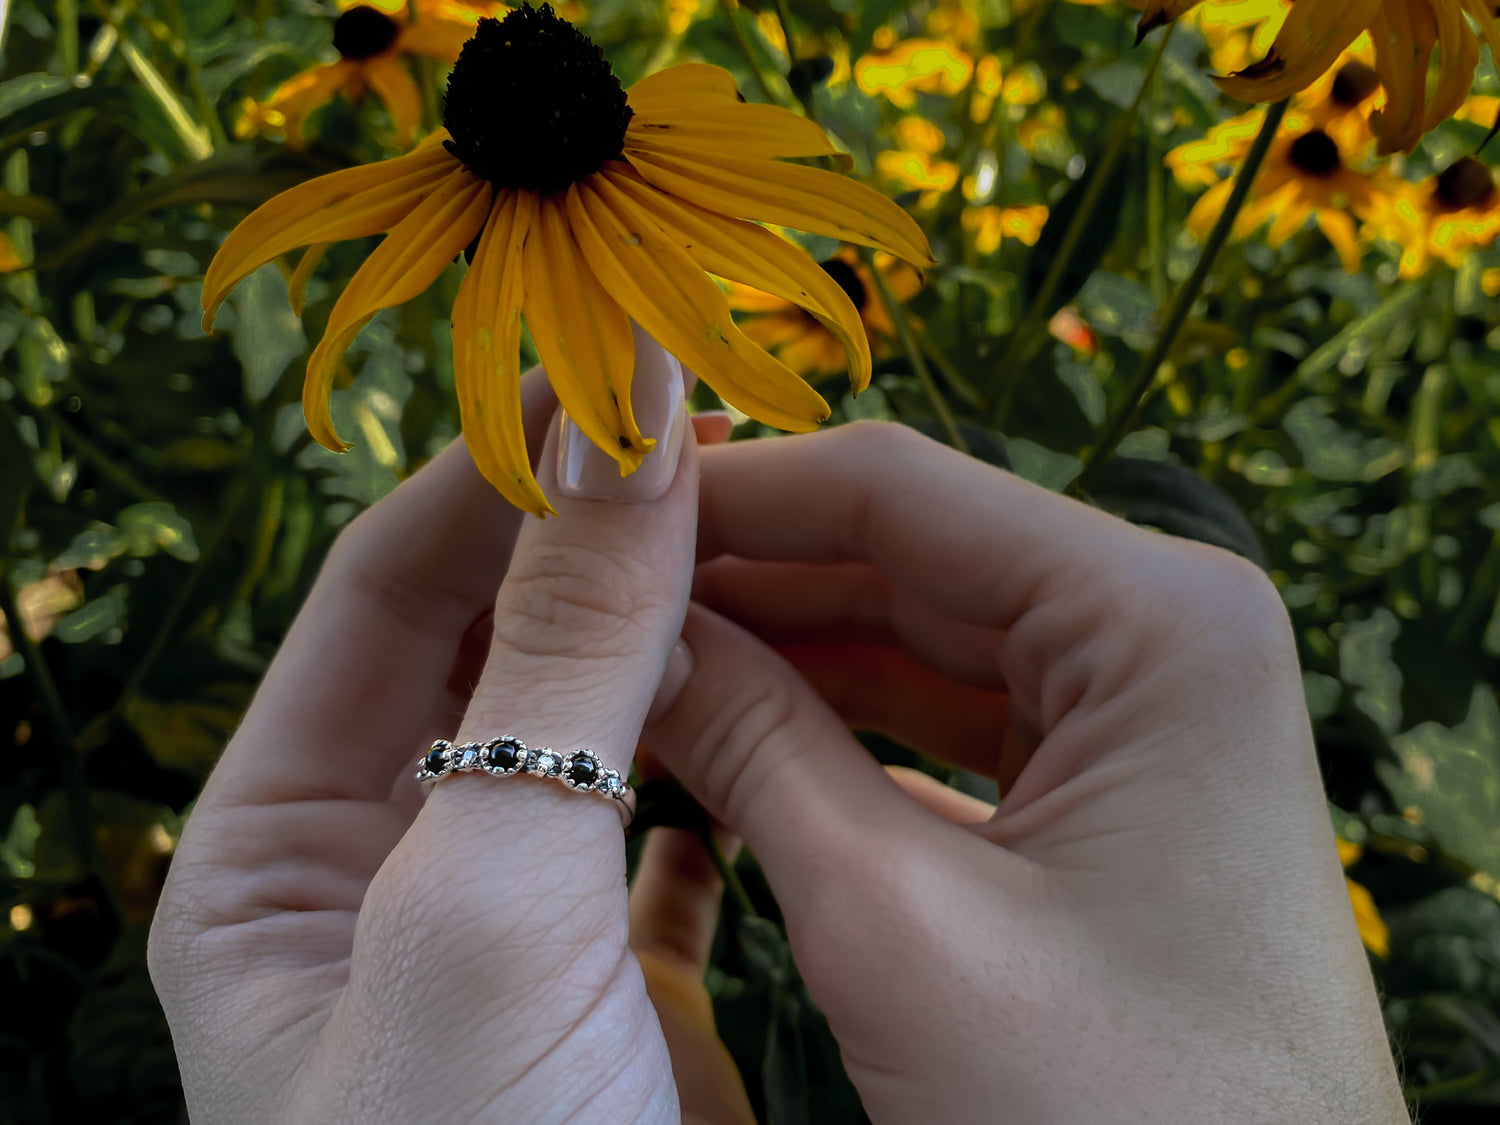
{"x": 532, "y": 103}
{"x": 364, "y": 31}
{"x": 1316, "y": 154}
{"x": 843, "y": 273}
{"x": 1465, "y": 183}
{"x": 1354, "y": 83}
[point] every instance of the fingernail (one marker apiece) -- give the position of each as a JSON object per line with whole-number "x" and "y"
{"x": 586, "y": 472}
{"x": 674, "y": 678}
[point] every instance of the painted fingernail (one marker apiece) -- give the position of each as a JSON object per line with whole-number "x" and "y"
{"x": 674, "y": 678}
{"x": 586, "y": 472}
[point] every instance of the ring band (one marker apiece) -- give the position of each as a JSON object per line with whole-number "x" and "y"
{"x": 507, "y": 756}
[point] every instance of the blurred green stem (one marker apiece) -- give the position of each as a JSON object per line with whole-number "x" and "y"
{"x": 1182, "y": 304}
{"x": 1032, "y": 333}
{"x": 67, "y": 35}
{"x": 102, "y": 462}
{"x": 732, "y": 885}
{"x": 747, "y": 49}
{"x": 915, "y": 358}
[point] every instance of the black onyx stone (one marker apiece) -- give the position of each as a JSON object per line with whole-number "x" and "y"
{"x": 503, "y": 756}
{"x": 435, "y": 762}
{"x": 582, "y": 771}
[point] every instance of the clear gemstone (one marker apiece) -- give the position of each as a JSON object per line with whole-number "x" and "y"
{"x": 468, "y": 759}
{"x": 611, "y": 786}
{"x": 547, "y": 763}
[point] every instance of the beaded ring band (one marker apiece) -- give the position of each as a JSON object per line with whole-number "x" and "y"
{"x": 507, "y": 756}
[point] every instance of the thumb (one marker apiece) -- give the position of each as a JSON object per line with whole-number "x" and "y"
{"x": 755, "y": 744}
{"x": 588, "y": 611}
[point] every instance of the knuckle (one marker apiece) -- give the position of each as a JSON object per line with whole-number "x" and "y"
{"x": 563, "y": 594}
{"x": 743, "y": 742}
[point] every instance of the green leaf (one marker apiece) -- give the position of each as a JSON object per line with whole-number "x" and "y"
{"x": 1452, "y": 776}
{"x": 1365, "y": 664}
{"x": 1098, "y": 236}
{"x": 1177, "y": 500}
{"x": 96, "y": 616}
{"x": 155, "y": 525}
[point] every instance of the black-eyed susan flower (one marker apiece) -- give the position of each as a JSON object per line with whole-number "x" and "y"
{"x": 800, "y": 340}
{"x": 372, "y": 38}
{"x": 1306, "y": 176}
{"x": 1405, "y": 33}
{"x": 586, "y": 206}
{"x": 1441, "y": 219}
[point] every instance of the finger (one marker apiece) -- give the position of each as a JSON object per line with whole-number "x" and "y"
{"x": 590, "y": 607}
{"x": 808, "y": 603}
{"x": 884, "y": 690}
{"x": 353, "y": 689}
{"x": 748, "y": 737}
{"x": 674, "y": 911}
{"x": 674, "y": 898}
{"x": 939, "y": 799}
{"x": 713, "y": 427}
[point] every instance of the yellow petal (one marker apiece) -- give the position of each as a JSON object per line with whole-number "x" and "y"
{"x": 788, "y": 195}
{"x": 299, "y": 96}
{"x": 297, "y": 286}
{"x": 1338, "y": 228}
{"x": 487, "y": 356}
{"x": 417, "y": 249}
{"x": 664, "y": 291}
{"x": 693, "y": 79}
{"x": 438, "y": 37}
{"x": 1310, "y": 41}
{"x": 713, "y": 125}
{"x": 394, "y": 85}
{"x": 1372, "y": 927}
{"x": 582, "y": 336}
{"x": 352, "y": 203}
{"x": 751, "y": 255}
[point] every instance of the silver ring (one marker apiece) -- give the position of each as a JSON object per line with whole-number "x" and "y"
{"x": 507, "y": 756}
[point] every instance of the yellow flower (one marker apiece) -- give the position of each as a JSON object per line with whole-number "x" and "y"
{"x": 987, "y": 226}
{"x": 585, "y": 207}
{"x": 371, "y": 38}
{"x": 902, "y": 70}
{"x": 1443, "y": 218}
{"x": 1405, "y": 34}
{"x": 800, "y": 340}
{"x": 913, "y": 164}
{"x": 1372, "y": 927}
{"x": 1307, "y": 175}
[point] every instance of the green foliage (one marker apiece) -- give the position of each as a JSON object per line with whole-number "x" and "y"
{"x": 163, "y": 513}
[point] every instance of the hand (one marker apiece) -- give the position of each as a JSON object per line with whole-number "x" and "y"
{"x": 328, "y": 948}
{"x": 1152, "y": 926}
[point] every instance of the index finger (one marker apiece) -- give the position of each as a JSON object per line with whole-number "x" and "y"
{"x": 977, "y": 543}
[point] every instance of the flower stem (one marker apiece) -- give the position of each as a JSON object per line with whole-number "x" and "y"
{"x": 1031, "y": 334}
{"x": 1182, "y": 303}
{"x": 915, "y": 357}
{"x": 748, "y": 51}
{"x": 731, "y": 879}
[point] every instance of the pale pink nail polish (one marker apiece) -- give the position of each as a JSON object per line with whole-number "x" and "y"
{"x": 586, "y": 472}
